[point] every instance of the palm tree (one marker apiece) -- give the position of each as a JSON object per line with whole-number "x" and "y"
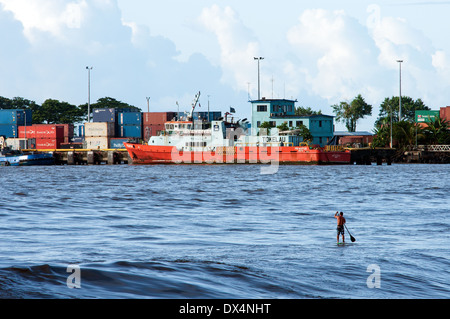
{"x": 437, "y": 131}
{"x": 407, "y": 133}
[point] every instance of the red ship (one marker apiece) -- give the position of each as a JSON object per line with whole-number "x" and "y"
{"x": 222, "y": 142}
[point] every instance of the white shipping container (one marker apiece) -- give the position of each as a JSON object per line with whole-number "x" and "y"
{"x": 16, "y": 144}
{"x": 99, "y": 129}
{"x": 97, "y": 143}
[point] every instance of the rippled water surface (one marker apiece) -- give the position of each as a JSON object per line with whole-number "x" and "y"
{"x": 224, "y": 231}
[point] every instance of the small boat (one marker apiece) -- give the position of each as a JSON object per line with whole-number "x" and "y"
{"x": 9, "y": 157}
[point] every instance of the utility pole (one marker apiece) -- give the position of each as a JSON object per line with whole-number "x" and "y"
{"x": 259, "y": 86}
{"x": 400, "y": 88}
{"x": 89, "y": 92}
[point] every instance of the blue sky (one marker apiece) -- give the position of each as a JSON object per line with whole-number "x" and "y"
{"x": 318, "y": 52}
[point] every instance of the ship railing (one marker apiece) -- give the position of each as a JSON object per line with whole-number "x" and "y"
{"x": 334, "y": 148}
{"x": 269, "y": 144}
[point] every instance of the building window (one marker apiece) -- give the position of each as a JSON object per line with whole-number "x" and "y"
{"x": 261, "y": 108}
{"x": 258, "y": 124}
{"x": 298, "y": 123}
{"x": 320, "y": 124}
{"x": 290, "y": 123}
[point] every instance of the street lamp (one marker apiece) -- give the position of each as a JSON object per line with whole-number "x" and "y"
{"x": 400, "y": 86}
{"x": 259, "y": 87}
{"x": 89, "y": 92}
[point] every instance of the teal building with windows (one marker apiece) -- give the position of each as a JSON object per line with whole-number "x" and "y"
{"x": 279, "y": 111}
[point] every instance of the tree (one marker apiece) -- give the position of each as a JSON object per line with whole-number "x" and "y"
{"x": 283, "y": 127}
{"x": 350, "y": 113}
{"x": 305, "y": 133}
{"x": 108, "y": 103}
{"x": 437, "y": 132}
{"x": 409, "y": 107}
{"x": 406, "y": 133}
{"x": 56, "y": 112}
{"x": 302, "y": 111}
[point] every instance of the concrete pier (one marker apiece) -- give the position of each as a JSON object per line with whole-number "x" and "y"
{"x": 89, "y": 157}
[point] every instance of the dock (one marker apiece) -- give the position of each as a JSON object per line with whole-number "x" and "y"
{"x": 87, "y": 156}
{"x": 367, "y": 156}
{"x": 433, "y": 154}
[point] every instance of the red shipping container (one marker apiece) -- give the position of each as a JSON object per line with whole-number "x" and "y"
{"x": 48, "y": 143}
{"x": 42, "y": 131}
{"x": 68, "y": 129}
{"x": 157, "y": 117}
{"x": 151, "y": 130}
{"x": 30, "y": 132}
{"x": 49, "y": 131}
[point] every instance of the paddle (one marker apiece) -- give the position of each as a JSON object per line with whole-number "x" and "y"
{"x": 351, "y": 237}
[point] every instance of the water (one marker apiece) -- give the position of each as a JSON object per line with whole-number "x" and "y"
{"x": 224, "y": 231}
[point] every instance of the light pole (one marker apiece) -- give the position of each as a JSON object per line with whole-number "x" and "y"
{"x": 259, "y": 87}
{"x": 148, "y": 104}
{"x": 89, "y": 92}
{"x": 400, "y": 88}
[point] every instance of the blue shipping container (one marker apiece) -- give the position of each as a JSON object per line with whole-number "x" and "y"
{"x": 81, "y": 131}
{"x": 9, "y": 130}
{"x": 129, "y": 118}
{"x": 134, "y": 131}
{"x": 104, "y": 115}
{"x": 16, "y": 117}
{"x": 117, "y": 142}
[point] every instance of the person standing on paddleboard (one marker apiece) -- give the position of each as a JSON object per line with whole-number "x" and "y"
{"x": 340, "y": 225}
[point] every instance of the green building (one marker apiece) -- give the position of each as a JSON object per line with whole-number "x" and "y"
{"x": 279, "y": 111}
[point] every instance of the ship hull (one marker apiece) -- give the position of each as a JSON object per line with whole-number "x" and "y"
{"x": 27, "y": 160}
{"x": 153, "y": 154}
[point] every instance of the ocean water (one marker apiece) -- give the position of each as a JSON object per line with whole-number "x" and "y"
{"x": 224, "y": 231}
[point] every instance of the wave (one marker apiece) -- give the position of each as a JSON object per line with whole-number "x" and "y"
{"x": 181, "y": 278}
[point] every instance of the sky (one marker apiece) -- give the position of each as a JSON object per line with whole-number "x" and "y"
{"x": 316, "y": 52}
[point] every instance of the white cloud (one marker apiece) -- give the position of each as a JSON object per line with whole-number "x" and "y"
{"x": 237, "y": 43}
{"x": 336, "y": 56}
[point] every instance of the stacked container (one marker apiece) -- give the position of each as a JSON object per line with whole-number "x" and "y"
{"x": 10, "y": 120}
{"x": 98, "y": 134}
{"x": 48, "y": 136}
{"x": 153, "y": 123}
{"x": 129, "y": 124}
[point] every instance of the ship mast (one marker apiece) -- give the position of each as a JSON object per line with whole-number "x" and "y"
{"x": 194, "y": 104}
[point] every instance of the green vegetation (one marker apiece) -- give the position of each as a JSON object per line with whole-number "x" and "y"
{"x": 58, "y": 112}
{"x": 350, "y": 113}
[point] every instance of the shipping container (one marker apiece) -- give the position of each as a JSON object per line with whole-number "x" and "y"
{"x": 129, "y": 118}
{"x": 81, "y": 132}
{"x": 151, "y": 130}
{"x": 134, "y": 131}
{"x": 104, "y": 115}
{"x": 17, "y": 143}
{"x": 77, "y": 139}
{"x": 97, "y": 142}
{"x": 157, "y": 117}
{"x": 67, "y": 146}
{"x": 41, "y": 131}
{"x": 16, "y": 117}
{"x": 68, "y": 130}
{"x": 9, "y": 130}
{"x": 99, "y": 129}
{"x": 48, "y": 143}
{"x": 116, "y": 143}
